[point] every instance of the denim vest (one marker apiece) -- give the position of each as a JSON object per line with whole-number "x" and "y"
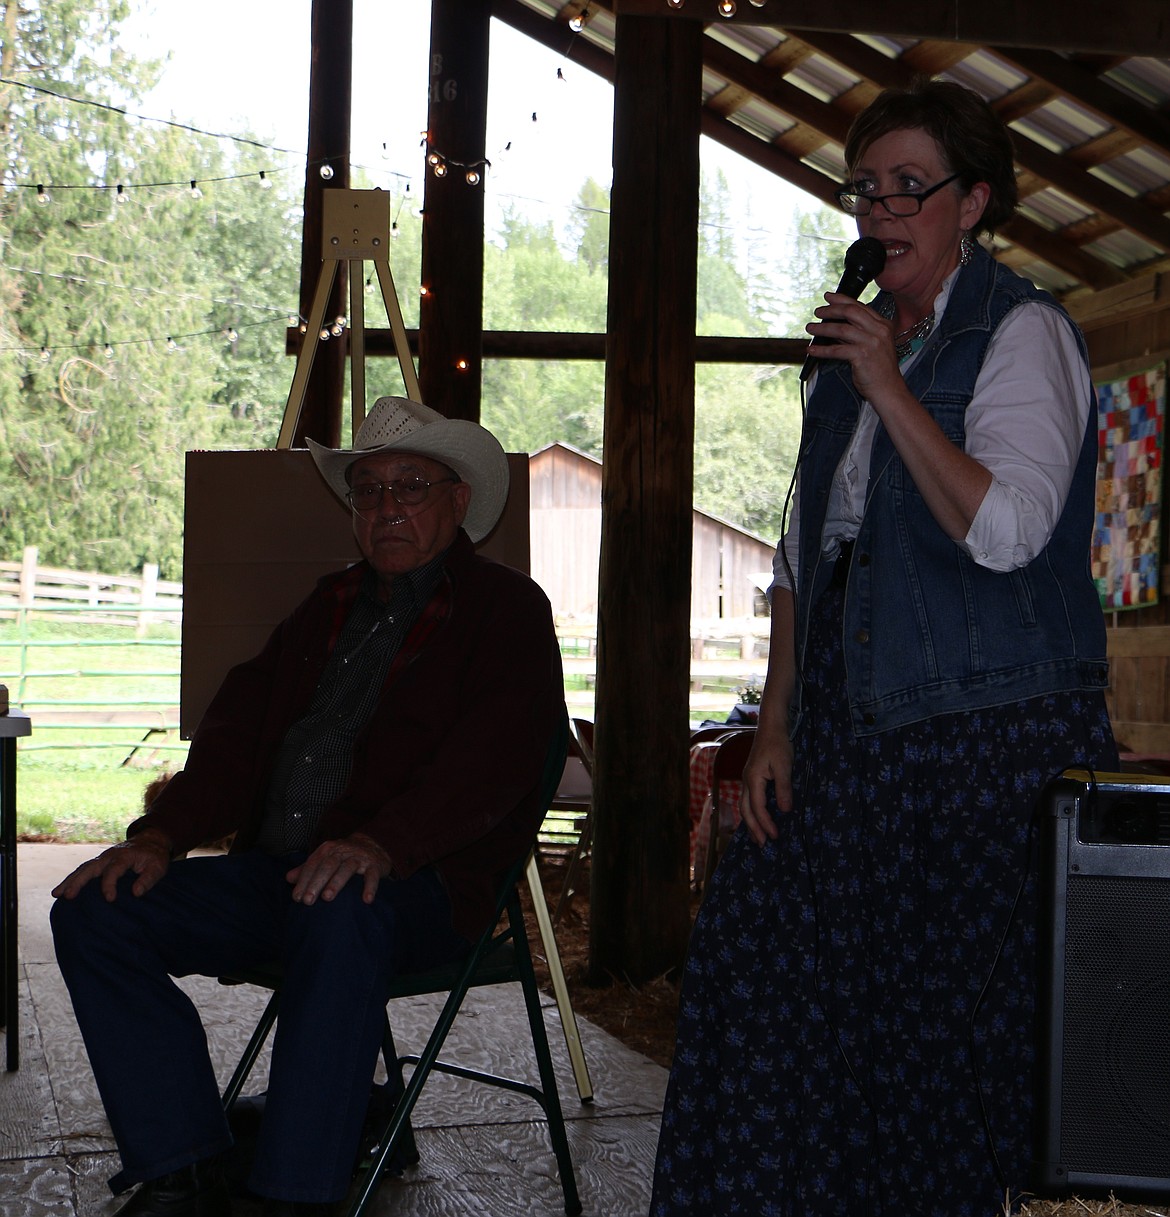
{"x": 927, "y": 630}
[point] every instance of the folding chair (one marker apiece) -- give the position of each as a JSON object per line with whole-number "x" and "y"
{"x": 582, "y": 744}
{"x": 501, "y": 954}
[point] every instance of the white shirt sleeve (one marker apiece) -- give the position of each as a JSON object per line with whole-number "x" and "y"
{"x": 786, "y": 557}
{"x": 1025, "y": 425}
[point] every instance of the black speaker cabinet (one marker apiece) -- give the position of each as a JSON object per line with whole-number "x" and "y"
{"x": 1103, "y": 1110}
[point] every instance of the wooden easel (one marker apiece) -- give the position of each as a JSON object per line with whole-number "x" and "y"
{"x": 356, "y": 228}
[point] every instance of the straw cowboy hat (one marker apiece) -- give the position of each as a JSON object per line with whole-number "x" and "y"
{"x": 396, "y": 424}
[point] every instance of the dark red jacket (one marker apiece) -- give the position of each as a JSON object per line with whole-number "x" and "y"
{"x": 447, "y": 768}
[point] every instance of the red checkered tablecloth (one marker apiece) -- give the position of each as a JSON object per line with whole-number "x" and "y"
{"x": 702, "y": 765}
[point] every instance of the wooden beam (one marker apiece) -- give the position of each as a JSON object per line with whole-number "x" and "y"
{"x": 330, "y": 93}
{"x": 553, "y": 345}
{"x": 1137, "y": 27}
{"x": 767, "y": 84}
{"x": 553, "y": 35}
{"x": 1062, "y": 173}
{"x": 640, "y": 874}
{"x": 1089, "y": 90}
{"x": 451, "y": 310}
{"x": 1135, "y": 298}
{"x": 1059, "y": 253}
{"x": 771, "y": 157}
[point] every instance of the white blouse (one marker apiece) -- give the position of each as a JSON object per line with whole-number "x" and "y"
{"x": 1025, "y": 424}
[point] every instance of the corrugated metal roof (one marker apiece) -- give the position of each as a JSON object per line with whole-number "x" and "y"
{"x": 1092, "y": 131}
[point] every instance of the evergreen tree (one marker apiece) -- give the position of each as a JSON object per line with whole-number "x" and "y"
{"x": 136, "y": 318}
{"x": 589, "y": 227}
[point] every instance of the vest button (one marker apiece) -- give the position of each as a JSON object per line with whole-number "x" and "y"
{"x": 862, "y": 635}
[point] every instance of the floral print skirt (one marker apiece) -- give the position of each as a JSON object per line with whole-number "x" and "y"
{"x": 855, "y": 1032}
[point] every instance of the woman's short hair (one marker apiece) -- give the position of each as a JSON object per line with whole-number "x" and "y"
{"x": 974, "y": 142}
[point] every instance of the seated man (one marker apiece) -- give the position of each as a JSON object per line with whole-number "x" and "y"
{"x": 378, "y": 763}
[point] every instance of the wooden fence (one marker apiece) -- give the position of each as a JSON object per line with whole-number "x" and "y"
{"x": 725, "y": 654}
{"x": 128, "y": 599}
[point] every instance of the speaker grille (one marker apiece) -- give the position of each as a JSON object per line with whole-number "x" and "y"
{"x": 1116, "y": 1079}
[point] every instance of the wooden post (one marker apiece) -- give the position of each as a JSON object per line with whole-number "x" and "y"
{"x": 28, "y": 576}
{"x": 147, "y": 596}
{"x": 450, "y": 347}
{"x": 640, "y": 874}
{"x": 330, "y": 91}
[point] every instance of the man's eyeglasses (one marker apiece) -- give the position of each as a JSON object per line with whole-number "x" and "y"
{"x": 406, "y": 492}
{"x": 850, "y": 199}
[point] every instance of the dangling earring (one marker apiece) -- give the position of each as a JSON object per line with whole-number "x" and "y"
{"x": 966, "y": 249}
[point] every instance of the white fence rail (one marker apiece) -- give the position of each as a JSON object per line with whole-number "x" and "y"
{"x": 130, "y": 599}
{"x": 725, "y": 654}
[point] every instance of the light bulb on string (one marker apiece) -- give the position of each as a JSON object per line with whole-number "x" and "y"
{"x": 43, "y": 195}
{"x": 230, "y": 333}
{"x": 172, "y": 345}
{"x": 109, "y": 351}
{"x": 46, "y": 354}
{"x": 440, "y": 170}
{"x": 577, "y": 23}
{"x": 461, "y": 365}
{"x": 424, "y": 290}
{"x": 338, "y": 327}
{"x": 326, "y": 172}
{"x": 196, "y": 193}
{"x": 265, "y": 181}
{"x": 758, "y": 3}
{"x": 433, "y": 158}
{"x": 726, "y": 8}
{"x": 473, "y": 177}
{"x": 293, "y": 319}
{"x": 324, "y": 334}
{"x": 676, "y": 3}
{"x": 120, "y": 194}
{"x": 394, "y": 233}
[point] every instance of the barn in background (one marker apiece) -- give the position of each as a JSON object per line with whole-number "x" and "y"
{"x": 728, "y": 564}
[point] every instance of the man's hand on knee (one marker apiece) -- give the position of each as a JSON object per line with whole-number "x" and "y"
{"x": 333, "y": 863}
{"x": 147, "y": 854}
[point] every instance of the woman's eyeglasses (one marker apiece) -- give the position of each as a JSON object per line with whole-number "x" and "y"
{"x": 851, "y": 200}
{"x": 406, "y": 492}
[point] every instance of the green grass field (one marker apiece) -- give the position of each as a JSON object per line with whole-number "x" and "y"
{"x": 87, "y": 783}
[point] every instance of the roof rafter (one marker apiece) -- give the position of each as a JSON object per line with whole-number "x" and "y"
{"x": 784, "y": 78}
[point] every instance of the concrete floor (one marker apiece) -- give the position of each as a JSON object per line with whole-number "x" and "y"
{"x": 483, "y": 1151}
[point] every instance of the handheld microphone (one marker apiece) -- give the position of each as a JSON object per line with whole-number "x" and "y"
{"x": 864, "y": 260}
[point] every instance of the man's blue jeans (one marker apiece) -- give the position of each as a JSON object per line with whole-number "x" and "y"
{"x": 211, "y": 916}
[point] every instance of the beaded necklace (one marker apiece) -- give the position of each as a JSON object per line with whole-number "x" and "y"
{"x": 913, "y": 336}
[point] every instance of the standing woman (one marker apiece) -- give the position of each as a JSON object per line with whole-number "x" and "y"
{"x": 856, "y": 1024}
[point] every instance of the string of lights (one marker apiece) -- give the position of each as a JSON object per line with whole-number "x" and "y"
{"x": 137, "y": 289}
{"x": 437, "y": 162}
{"x": 725, "y": 8}
{"x": 228, "y": 333}
{"x": 164, "y": 122}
